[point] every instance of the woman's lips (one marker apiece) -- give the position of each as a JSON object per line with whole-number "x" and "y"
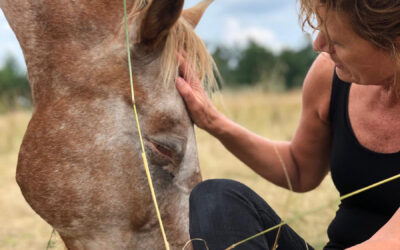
{"x": 337, "y": 65}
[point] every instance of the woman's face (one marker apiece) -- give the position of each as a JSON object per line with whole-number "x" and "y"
{"x": 356, "y": 59}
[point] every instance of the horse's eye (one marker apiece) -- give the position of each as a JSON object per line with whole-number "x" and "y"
{"x": 164, "y": 150}
{"x": 167, "y": 156}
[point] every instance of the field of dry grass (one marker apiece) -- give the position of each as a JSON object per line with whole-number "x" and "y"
{"x": 271, "y": 115}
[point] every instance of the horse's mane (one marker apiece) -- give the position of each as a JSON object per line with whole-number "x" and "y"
{"x": 184, "y": 40}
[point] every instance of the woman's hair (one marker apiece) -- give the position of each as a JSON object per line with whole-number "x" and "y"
{"x": 377, "y": 21}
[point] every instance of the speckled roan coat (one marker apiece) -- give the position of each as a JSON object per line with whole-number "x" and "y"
{"x": 79, "y": 165}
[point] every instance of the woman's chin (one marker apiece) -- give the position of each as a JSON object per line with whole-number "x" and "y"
{"x": 343, "y": 74}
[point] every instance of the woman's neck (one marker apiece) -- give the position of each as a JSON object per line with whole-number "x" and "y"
{"x": 388, "y": 96}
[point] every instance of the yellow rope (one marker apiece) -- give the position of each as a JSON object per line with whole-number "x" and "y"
{"x": 370, "y": 187}
{"x": 50, "y": 242}
{"x": 316, "y": 210}
{"x": 288, "y": 181}
{"x": 256, "y": 235}
{"x": 290, "y": 186}
{"x": 146, "y": 166}
{"x": 196, "y": 239}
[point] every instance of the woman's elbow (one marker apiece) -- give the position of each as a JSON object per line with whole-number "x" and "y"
{"x": 309, "y": 182}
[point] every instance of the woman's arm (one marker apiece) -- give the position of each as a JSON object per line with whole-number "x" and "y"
{"x": 388, "y": 237}
{"x": 306, "y": 157}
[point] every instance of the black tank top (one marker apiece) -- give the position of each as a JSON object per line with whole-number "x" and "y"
{"x": 353, "y": 167}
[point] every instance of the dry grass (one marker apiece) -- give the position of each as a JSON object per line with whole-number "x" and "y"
{"x": 272, "y": 115}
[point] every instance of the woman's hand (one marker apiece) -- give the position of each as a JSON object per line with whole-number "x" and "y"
{"x": 201, "y": 110}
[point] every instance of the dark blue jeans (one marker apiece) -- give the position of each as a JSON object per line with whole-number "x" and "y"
{"x": 224, "y": 212}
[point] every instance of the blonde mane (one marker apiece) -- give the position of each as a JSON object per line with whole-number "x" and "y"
{"x": 183, "y": 39}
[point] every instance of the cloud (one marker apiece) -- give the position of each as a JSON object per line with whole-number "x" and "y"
{"x": 273, "y": 23}
{"x": 9, "y": 45}
{"x": 251, "y": 8}
{"x": 4, "y": 27}
{"x": 236, "y": 33}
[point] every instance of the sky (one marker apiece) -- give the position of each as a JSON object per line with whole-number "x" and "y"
{"x": 272, "y": 23}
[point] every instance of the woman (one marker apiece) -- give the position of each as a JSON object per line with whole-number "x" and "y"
{"x": 349, "y": 125}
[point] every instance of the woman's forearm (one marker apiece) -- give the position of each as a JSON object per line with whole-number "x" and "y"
{"x": 267, "y": 158}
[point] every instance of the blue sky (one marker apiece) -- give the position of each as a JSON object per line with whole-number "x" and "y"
{"x": 273, "y": 23}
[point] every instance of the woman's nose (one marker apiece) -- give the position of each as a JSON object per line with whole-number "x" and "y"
{"x": 321, "y": 44}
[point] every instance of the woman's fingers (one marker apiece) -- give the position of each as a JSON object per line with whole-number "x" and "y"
{"x": 188, "y": 73}
{"x": 183, "y": 67}
{"x": 201, "y": 110}
{"x": 185, "y": 90}
{"x": 192, "y": 100}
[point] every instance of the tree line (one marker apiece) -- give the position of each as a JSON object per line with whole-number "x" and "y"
{"x": 257, "y": 65}
{"x": 252, "y": 65}
{"x": 15, "y": 92}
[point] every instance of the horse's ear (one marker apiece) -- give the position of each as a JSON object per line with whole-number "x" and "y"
{"x": 160, "y": 16}
{"x": 194, "y": 14}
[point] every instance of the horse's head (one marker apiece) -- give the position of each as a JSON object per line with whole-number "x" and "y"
{"x": 83, "y": 135}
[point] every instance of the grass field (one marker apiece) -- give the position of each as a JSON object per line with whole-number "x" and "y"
{"x": 271, "y": 115}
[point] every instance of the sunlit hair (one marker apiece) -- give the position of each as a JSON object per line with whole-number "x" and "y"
{"x": 377, "y": 21}
{"x": 184, "y": 40}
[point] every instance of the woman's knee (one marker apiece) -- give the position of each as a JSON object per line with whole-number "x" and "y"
{"x": 218, "y": 191}
{"x": 214, "y": 203}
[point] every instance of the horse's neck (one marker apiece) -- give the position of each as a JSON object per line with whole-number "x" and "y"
{"x": 63, "y": 19}
{"x": 55, "y": 35}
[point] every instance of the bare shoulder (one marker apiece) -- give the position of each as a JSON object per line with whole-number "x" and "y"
{"x": 318, "y": 86}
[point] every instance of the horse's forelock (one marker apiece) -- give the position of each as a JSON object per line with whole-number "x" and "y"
{"x": 182, "y": 39}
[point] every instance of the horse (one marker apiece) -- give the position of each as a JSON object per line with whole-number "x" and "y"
{"x": 80, "y": 165}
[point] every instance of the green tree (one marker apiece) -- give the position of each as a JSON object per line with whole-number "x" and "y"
{"x": 222, "y": 57}
{"x": 254, "y": 62}
{"x": 13, "y": 85}
{"x": 295, "y": 64}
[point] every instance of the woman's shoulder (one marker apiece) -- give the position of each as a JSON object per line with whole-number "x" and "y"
{"x": 317, "y": 86}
